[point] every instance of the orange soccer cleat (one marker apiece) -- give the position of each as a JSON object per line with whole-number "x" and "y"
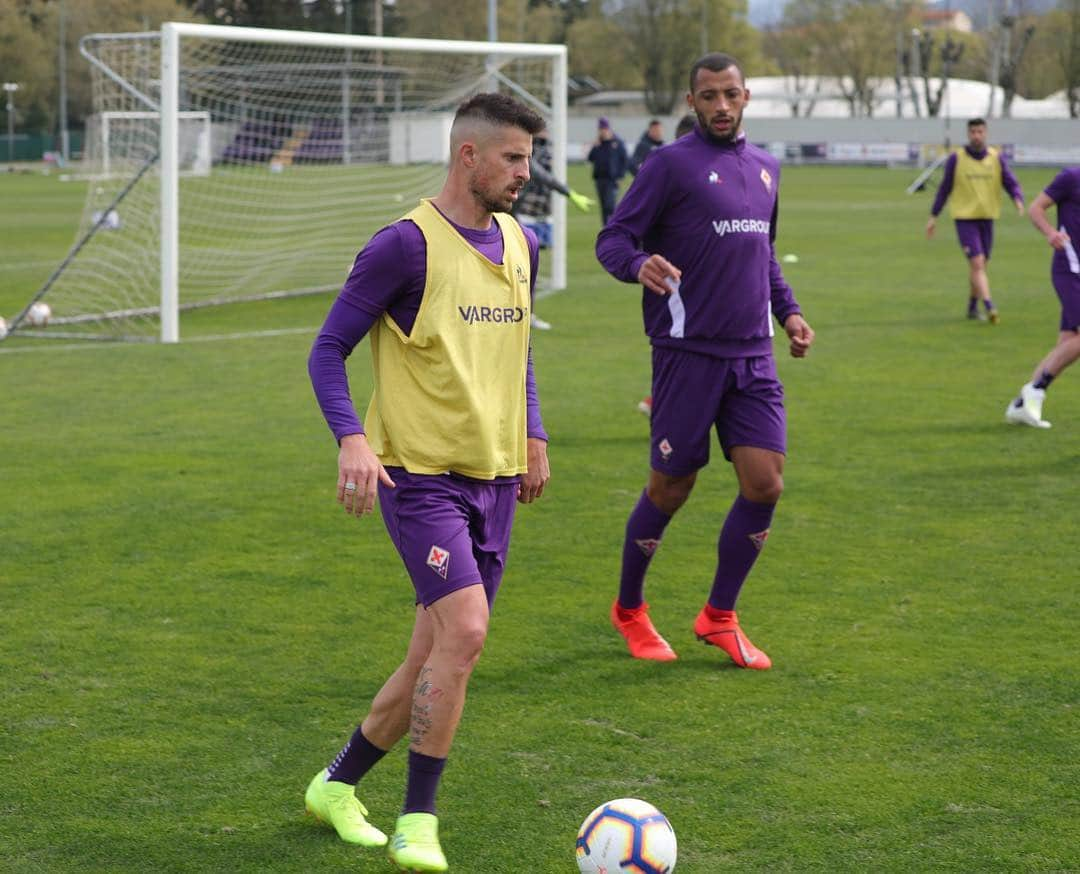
{"x": 642, "y": 639}
{"x": 721, "y": 628}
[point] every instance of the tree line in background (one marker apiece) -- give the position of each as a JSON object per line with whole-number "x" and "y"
{"x": 865, "y": 47}
{"x": 870, "y": 46}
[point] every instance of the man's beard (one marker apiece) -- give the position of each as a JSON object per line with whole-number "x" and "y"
{"x": 489, "y": 203}
{"x": 720, "y": 139}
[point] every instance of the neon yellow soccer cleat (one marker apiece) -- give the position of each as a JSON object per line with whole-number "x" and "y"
{"x": 415, "y": 844}
{"x": 335, "y": 804}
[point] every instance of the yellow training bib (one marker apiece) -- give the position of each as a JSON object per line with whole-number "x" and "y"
{"x": 450, "y": 395}
{"x": 976, "y": 192}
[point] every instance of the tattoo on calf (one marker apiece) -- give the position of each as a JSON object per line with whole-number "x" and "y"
{"x": 424, "y": 698}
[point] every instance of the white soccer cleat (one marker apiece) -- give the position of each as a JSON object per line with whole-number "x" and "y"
{"x": 539, "y": 323}
{"x": 1029, "y": 410}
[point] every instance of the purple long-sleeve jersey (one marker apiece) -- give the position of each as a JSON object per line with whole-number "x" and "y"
{"x": 710, "y": 209}
{"x": 389, "y": 276}
{"x": 1008, "y": 179}
{"x": 1065, "y": 192}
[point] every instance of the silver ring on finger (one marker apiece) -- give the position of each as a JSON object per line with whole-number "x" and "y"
{"x": 350, "y": 487}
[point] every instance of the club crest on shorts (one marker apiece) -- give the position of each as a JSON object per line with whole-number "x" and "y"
{"x": 766, "y": 178}
{"x": 759, "y": 539}
{"x": 666, "y": 449}
{"x": 648, "y": 545}
{"x": 438, "y": 560}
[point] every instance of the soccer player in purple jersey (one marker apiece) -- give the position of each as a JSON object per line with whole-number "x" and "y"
{"x": 1065, "y": 275}
{"x": 451, "y": 440}
{"x": 685, "y": 125}
{"x": 696, "y": 229}
{"x": 972, "y": 183}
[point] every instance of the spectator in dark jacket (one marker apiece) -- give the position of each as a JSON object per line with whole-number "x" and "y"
{"x": 652, "y": 138}
{"x": 609, "y": 161}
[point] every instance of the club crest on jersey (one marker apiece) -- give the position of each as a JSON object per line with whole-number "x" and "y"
{"x": 766, "y": 178}
{"x": 666, "y": 449}
{"x": 714, "y": 178}
{"x": 647, "y": 545}
{"x": 519, "y": 272}
{"x": 759, "y": 539}
{"x": 438, "y": 560}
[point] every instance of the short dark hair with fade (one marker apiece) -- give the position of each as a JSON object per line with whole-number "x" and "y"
{"x": 502, "y": 110}
{"x": 976, "y": 122}
{"x": 714, "y": 62}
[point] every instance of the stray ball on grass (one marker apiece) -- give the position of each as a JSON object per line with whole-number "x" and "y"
{"x": 3, "y": 327}
{"x": 790, "y": 258}
{"x": 39, "y": 314}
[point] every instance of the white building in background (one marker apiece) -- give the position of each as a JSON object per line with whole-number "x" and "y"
{"x": 946, "y": 19}
{"x": 1039, "y": 131}
{"x": 774, "y": 96}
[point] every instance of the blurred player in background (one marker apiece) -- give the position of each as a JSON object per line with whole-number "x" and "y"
{"x": 1064, "y": 191}
{"x": 452, "y": 438}
{"x": 653, "y": 138}
{"x": 696, "y": 229}
{"x": 533, "y": 206}
{"x": 974, "y": 177}
{"x": 609, "y": 164}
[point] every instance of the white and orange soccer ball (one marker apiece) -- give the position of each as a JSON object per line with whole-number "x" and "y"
{"x": 626, "y": 836}
{"x": 39, "y": 314}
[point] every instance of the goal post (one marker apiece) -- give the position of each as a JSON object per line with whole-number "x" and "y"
{"x": 242, "y": 164}
{"x": 173, "y": 34}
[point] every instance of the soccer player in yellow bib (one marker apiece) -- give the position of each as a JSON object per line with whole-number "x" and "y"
{"x": 452, "y": 440}
{"x": 974, "y": 177}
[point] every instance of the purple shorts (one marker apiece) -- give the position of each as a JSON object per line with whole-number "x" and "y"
{"x": 691, "y": 393}
{"x": 450, "y": 531}
{"x": 1067, "y": 286}
{"x": 976, "y": 236}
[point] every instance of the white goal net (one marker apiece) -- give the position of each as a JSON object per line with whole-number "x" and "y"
{"x": 230, "y": 164}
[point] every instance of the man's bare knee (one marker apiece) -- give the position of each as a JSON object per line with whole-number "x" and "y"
{"x": 667, "y": 494}
{"x": 461, "y": 646}
{"x": 763, "y": 490}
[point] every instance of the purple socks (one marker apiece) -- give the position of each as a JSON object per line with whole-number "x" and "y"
{"x": 741, "y": 539}
{"x": 424, "y": 775}
{"x": 644, "y": 529}
{"x": 357, "y": 758}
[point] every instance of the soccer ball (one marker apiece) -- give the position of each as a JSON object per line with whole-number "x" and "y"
{"x": 39, "y": 314}
{"x": 626, "y": 836}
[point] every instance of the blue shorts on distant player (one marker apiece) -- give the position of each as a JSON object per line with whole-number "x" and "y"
{"x": 542, "y": 231}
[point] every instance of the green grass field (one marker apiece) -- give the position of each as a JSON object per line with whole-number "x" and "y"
{"x": 190, "y": 627}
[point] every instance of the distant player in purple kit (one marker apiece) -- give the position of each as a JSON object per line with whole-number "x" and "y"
{"x": 1065, "y": 275}
{"x": 453, "y": 438}
{"x": 974, "y": 177}
{"x": 696, "y": 229}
